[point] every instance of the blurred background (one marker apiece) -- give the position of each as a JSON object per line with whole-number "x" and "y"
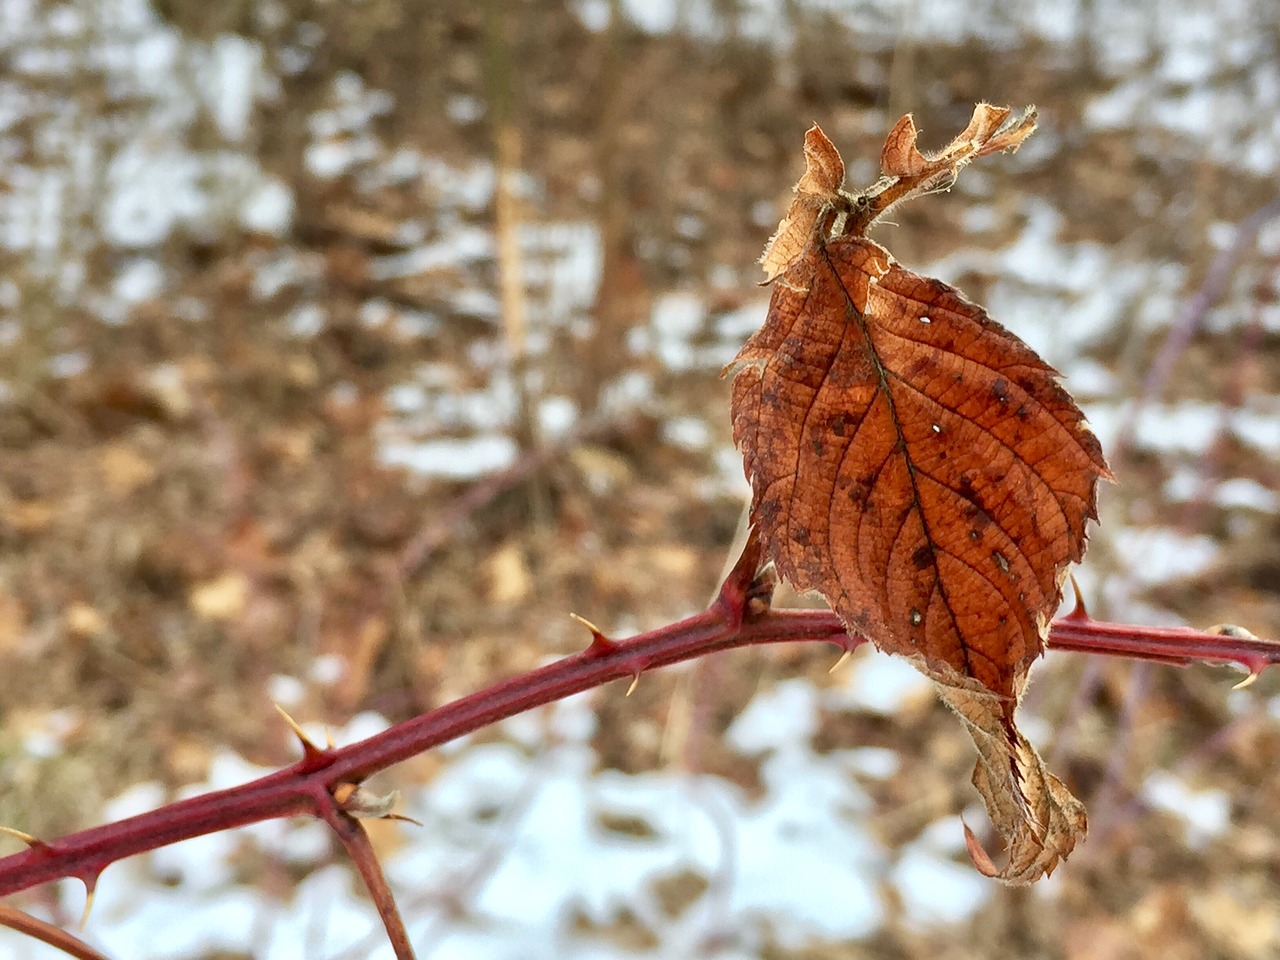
{"x": 345, "y": 348}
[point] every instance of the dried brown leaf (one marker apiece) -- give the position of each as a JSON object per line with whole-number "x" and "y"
{"x": 919, "y": 466}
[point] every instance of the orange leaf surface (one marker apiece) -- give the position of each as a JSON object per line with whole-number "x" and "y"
{"x": 919, "y": 465}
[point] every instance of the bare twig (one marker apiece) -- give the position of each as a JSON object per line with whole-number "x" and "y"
{"x": 1189, "y": 322}
{"x": 353, "y": 836}
{"x": 740, "y": 616}
{"x": 46, "y": 932}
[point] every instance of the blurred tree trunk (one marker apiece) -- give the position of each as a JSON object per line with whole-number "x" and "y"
{"x": 622, "y": 300}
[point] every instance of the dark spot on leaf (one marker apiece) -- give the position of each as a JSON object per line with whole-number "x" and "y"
{"x": 768, "y": 511}
{"x": 917, "y": 366}
{"x": 922, "y": 557}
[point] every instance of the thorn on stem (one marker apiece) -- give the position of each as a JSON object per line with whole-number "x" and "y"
{"x": 600, "y": 644}
{"x": 89, "y": 890}
{"x": 1254, "y": 665}
{"x": 1247, "y": 681}
{"x": 309, "y": 749}
{"x": 844, "y": 658}
{"x": 28, "y": 839}
{"x": 635, "y": 682}
{"x": 1079, "y": 611}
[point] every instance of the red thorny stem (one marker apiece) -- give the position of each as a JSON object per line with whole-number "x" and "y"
{"x": 740, "y": 616}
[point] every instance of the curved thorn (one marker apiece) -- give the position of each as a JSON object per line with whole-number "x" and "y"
{"x": 89, "y": 891}
{"x": 844, "y": 658}
{"x": 26, "y": 838}
{"x": 1247, "y": 681}
{"x": 1079, "y": 611}
{"x": 635, "y": 682}
{"x": 600, "y": 644}
{"x": 402, "y": 818}
{"x": 308, "y": 748}
{"x": 595, "y": 631}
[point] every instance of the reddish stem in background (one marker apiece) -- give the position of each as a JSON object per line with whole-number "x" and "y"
{"x": 739, "y": 617}
{"x": 1190, "y": 321}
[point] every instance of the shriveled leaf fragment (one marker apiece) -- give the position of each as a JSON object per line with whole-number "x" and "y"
{"x": 990, "y": 130}
{"x": 1034, "y": 812}
{"x": 922, "y": 468}
{"x": 815, "y": 192}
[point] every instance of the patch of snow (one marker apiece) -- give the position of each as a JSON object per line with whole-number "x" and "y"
{"x": 689, "y": 432}
{"x": 1246, "y": 494}
{"x": 936, "y": 889}
{"x": 808, "y": 829}
{"x": 630, "y": 390}
{"x": 781, "y": 718}
{"x": 880, "y": 763}
{"x": 1157, "y": 554}
{"x": 327, "y": 669}
{"x": 133, "y": 800}
{"x": 285, "y": 690}
{"x": 230, "y": 79}
{"x": 557, "y": 415}
{"x": 462, "y": 245}
{"x": 1188, "y": 426}
{"x": 68, "y": 364}
{"x": 876, "y": 682}
{"x": 464, "y": 109}
{"x": 676, "y": 317}
{"x": 562, "y": 268}
{"x": 456, "y": 459}
{"x": 49, "y": 735}
{"x": 1207, "y": 812}
{"x": 305, "y": 320}
{"x": 268, "y": 207}
{"x": 140, "y": 279}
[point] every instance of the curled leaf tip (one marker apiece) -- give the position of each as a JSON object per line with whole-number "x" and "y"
{"x": 981, "y": 859}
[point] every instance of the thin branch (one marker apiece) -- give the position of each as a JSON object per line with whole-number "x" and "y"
{"x": 740, "y": 617}
{"x": 1191, "y": 319}
{"x": 54, "y": 936}
{"x": 353, "y": 836}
